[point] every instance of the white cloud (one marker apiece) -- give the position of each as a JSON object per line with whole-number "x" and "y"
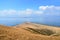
{"x": 38, "y": 12}
{"x": 29, "y": 11}
{"x": 46, "y": 7}
{"x": 50, "y": 10}
{"x": 11, "y": 11}
{"x": 44, "y": 10}
{"x": 43, "y": 7}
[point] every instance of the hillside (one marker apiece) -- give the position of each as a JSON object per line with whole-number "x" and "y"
{"x": 35, "y": 26}
{"x": 29, "y": 31}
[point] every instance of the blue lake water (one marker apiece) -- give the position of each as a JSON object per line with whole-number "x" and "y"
{"x": 15, "y": 21}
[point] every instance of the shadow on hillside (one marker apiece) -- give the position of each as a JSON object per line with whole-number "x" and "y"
{"x": 41, "y": 31}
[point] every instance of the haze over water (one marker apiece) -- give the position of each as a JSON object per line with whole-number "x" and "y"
{"x": 15, "y": 21}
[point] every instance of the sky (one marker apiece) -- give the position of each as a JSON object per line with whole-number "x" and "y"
{"x": 22, "y": 8}
{"x": 47, "y": 10}
{"x": 24, "y": 4}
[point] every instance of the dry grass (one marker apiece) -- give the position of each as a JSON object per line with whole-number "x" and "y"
{"x": 41, "y": 31}
{"x": 19, "y": 33}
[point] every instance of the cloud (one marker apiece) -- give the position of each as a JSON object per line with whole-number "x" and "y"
{"x": 46, "y": 7}
{"x": 11, "y": 11}
{"x": 43, "y": 7}
{"x": 29, "y": 11}
{"x": 50, "y": 10}
{"x": 42, "y": 10}
{"x": 38, "y": 12}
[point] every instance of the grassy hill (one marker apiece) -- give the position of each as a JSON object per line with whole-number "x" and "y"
{"x": 29, "y": 31}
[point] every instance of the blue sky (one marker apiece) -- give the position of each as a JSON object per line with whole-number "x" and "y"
{"x": 29, "y": 8}
{"x": 47, "y": 10}
{"x": 24, "y": 4}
